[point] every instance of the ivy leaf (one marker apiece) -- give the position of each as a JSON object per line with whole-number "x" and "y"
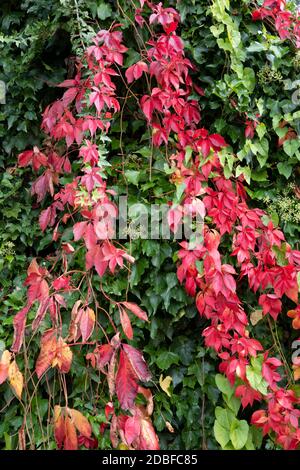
{"x": 243, "y": 170}
{"x": 166, "y": 359}
{"x": 104, "y": 11}
{"x": 291, "y": 146}
{"x": 133, "y": 176}
{"x": 284, "y": 169}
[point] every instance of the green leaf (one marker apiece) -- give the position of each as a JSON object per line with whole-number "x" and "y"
{"x": 188, "y": 154}
{"x": 243, "y": 170}
{"x": 261, "y": 130}
{"x": 221, "y": 434}
{"x": 133, "y": 176}
{"x": 291, "y": 146}
{"x": 223, "y": 385}
{"x": 249, "y": 79}
{"x": 104, "y": 11}
{"x": 222, "y": 425}
{"x": 224, "y": 416}
{"x": 179, "y": 191}
{"x": 233, "y": 403}
{"x": 166, "y": 359}
{"x": 284, "y": 169}
{"x": 239, "y": 433}
{"x": 254, "y": 375}
{"x": 256, "y": 47}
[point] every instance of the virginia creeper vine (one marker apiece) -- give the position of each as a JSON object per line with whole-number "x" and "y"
{"x": 73, "y": 125}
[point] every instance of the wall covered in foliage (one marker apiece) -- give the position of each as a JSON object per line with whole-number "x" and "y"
{"x": 242, "y": 74}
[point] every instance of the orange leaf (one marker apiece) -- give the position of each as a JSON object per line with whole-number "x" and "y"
{"x": 47, "y": 352}
{"x": 16, "y": 378}
{"x": 4, "y": 365}
{"x": 71, "y": 442}
{"x": 59, "y": 426}
{"x": 81, "y": 423}
{"x": 296, "y": 372}
{"x": 63, "y": 357}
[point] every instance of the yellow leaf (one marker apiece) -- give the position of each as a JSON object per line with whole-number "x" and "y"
{"x": 256, "y": 316}
{"x": 16, "y": 378}
{"x": 165, "y": 384}
{"x": 123, "y": 447}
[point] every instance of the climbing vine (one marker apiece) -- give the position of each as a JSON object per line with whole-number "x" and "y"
{"x": 241, "y": 246}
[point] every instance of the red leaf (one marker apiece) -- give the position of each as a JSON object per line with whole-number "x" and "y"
{"x": 40, "y": 314}
{"x": 19, "y": 328}
{"x": 87, "y": 323}
{"x": 217, "y": 140}
{"x": 79, "y": 230}
{"x": 34, "y": 156}
{"x": 148, "y": 437}
{"x": 45, "y": 218}
{"x": 132, "y": 429}
{"x": 4, "y": 365}
{"x": 25, "y": 158}
{"x": 136, "y": 310}
{"x": 125, "y": 322}
{"x": 126, "y": 385}
{"x": 135, "y": 71}
{"x": 102, "y": 356}
{"x": 137, "y": 362}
